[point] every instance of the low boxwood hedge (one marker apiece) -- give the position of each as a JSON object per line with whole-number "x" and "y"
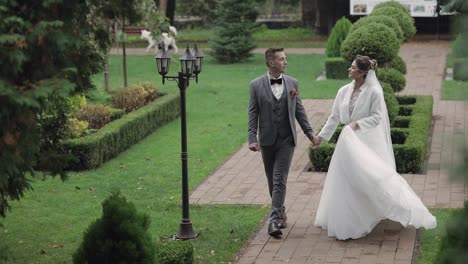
{"x": 393, "y": 77}
{"x": 410, "y": 134}
{"x": 174, "y": 252}
{"x": 460, "y": 69}
{"x": 106, "y": 143}
{"x": 337, "y": 68}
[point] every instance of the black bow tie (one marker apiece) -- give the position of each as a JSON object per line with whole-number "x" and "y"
{"x": 278, "y": 81}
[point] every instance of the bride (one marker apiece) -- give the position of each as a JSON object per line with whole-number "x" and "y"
{"x": 362, "y": 186}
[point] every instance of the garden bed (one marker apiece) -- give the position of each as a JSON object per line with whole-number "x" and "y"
{"x": 92, "y": 150}
{"x": 409, "y": 132}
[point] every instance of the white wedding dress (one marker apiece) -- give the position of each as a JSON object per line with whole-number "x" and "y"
{"x": 362, "y": 186}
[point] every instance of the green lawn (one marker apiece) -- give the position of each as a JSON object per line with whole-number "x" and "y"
{"x": 454, "y": 90}
{"x": 290, "y": 37}
{"x": 430, "y": 240}
{"x": 46, "y": 226}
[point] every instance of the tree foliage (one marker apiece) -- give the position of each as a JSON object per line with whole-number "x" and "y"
{"x": 234, "y": 40}
{"x": 403, "y": 18}
{"x": 374, "y": 40}
{"x": 49, "y": 50}
{"x": 337, "y": 36}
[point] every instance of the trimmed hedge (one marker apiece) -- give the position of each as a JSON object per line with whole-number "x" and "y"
{"x": 390, "y": 101}
{"x": 336, "y": 68}
{"x": 414, "y": 135}
{"x": 392, "y": 3}
{"x": 337, "y": 36}
{"x": 398, "y": 64}
{"x": 387, "y": 21}
{"x": 460, "y": 69}
{"x": 175, "y": 252}
{"x": 405, "y": 21}
{"x": 94, "y": 149}
{"x": 393, "y": 77}
{"x": 374, "y": 40}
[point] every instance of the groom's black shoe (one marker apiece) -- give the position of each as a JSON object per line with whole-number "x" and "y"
{"x": 282, "y": 222}
{"x": 274, "y": 230}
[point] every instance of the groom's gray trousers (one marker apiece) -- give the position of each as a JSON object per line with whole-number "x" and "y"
{"x": 277, "y": 160}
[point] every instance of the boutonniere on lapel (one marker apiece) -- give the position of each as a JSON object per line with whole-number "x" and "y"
{"x": 294, "y": 93}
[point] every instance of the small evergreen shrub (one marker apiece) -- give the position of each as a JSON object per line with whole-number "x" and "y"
{"x": 460, "y": 69}
{"x": 391, "y": 102}
{"x": 134, "y": 97}
{"x": 392, "y": 3}
{"x": 235, "y": 25}
{"x": 405, "y": 21}
{"x": 374, "y": 40}
{"x": 76, "y": 102}
{"x": 336, "y": 68}
{"x": 393, "y": 77}
{"x": 337, "y": 36}
{"x": 459, "y": 50}
{"x": 388, "y": 21}
{"x": 175, "y": 252}
{"x": 96, "y": 115}
{"x": 76, "y": 127}
{"x": 454, "y": 242}
{"x": 398, "y": 64}
{"x": 119, "y": 236}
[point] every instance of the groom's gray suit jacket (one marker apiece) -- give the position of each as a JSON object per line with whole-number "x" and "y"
{"x": 262, "y": 104}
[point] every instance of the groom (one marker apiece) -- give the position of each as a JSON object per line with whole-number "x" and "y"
{"x": 274, "y": 107}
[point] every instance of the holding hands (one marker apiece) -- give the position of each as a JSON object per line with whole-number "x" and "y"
{"x": 316, "y": 140}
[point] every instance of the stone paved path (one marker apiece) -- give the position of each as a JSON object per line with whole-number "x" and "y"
{"x": 241, "y": 180}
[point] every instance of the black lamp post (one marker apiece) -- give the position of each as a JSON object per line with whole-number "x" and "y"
{"x": 191, "y": 66}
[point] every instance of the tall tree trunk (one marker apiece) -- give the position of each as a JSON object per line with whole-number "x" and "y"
{"x": 124, "y": 54}
{"x": 106, "y": 73}
{"x": 309, "y": 12}
{"x": 170, "y": 10}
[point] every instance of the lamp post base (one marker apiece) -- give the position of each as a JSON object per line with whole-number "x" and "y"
{"x": 186, "y": 231}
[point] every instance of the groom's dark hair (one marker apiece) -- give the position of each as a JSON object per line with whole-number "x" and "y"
{"x": 270, "y": 53}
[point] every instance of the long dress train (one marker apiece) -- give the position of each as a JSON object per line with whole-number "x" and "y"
{"x": 361, "y": 189}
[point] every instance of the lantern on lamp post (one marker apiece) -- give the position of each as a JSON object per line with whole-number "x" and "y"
{"x": 190, "y": 67}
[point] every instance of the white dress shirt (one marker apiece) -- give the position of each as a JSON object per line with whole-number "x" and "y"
{"x": 277, "y": 89}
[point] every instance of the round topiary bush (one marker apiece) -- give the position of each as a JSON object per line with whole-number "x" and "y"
{"x": 405, "y": 21}
{"x": 392, "y": 3}
{"x": 388, "y": 21}
{"x": 337, "y": 36}
{"x": 374, "y": 40}
{"x": 398, "y": 64}
{"x": 393, "y": 77}
{"x": 390, "y": 101}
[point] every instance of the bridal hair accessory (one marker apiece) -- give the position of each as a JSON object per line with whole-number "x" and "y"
{"x": 294, "y": 93}
{"x": 373, "y": 64}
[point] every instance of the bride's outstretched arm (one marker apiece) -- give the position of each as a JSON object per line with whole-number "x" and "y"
{"x": 333, "y": 120}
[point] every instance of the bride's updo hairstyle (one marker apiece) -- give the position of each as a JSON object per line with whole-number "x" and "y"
{"x": 365, "y": 64}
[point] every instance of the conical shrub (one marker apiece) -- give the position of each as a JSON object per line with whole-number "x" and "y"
{"x": 119, "y": 236}
{"x": 337, "y": 36}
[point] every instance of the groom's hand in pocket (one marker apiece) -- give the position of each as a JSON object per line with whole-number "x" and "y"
{"x": 254, "y": 147}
